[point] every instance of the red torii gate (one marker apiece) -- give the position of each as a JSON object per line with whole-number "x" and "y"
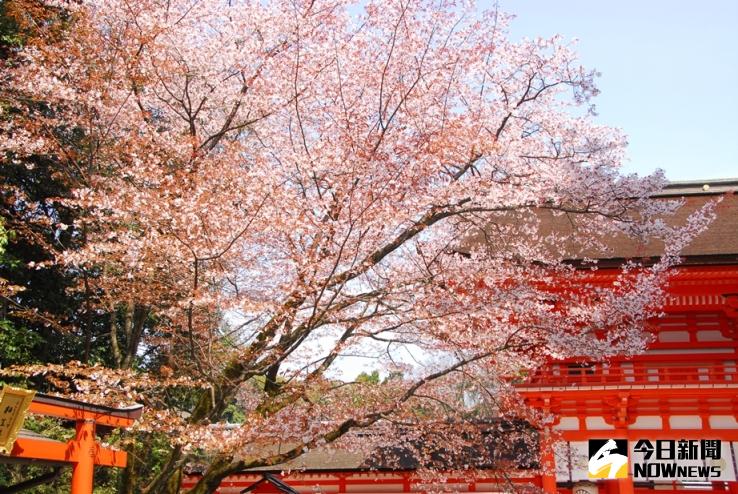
{"x": 83, "y": 452}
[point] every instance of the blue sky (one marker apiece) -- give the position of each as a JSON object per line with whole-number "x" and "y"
{"x": 669, "y": 75}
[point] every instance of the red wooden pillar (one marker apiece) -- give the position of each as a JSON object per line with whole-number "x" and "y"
{"x": 406, "y": 487}
{"x": 548, "y": 483}
{"x": 610, "y": 486}
{"x": 83, "y": 471}
{"x": 548, "y": 464}
{"x": 625, "y": 486}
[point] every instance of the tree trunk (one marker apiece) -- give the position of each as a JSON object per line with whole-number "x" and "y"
{"x": 133, "y": 327}
{"x": 170, "y": 473}
{"x": 174, "y": 482}
{"x": 88, "y": 321}
{"x": 117, "y": 358}
{"x": 129, "y": 479}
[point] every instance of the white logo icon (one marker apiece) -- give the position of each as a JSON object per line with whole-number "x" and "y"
{"x": 604, "y": 458}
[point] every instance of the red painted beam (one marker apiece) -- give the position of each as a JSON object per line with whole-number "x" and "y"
{"x": 41, "y": 449}
{"x": 47, "y": 450}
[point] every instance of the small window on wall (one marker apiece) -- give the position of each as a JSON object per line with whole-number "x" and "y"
{"x": 627, "y": 370}
{"x": 711, "y": 335}
{"x": 580, "y": 369}
{"x": 653, "y": 375}
{"x": 673, "y": 336}
{"x": 730, "y": 369}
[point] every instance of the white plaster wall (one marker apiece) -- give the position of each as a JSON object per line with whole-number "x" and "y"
{"x": 598, "y": 424}
{"x": 685, "y": 422}
{"x": 647, "y": 422}
{"x": 723, "y": 422}
{"x": 568, "y": 424}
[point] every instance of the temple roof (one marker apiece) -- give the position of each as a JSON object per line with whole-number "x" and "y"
{"x": 497, "y": 444}
{"x": 717, "y": 245}
{"x": 719, "y": 241}
{"x": 699, "y": 187}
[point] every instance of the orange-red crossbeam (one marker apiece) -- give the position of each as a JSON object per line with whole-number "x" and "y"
{"x": 83, "y": 452}
{"x": 69, "y": 452}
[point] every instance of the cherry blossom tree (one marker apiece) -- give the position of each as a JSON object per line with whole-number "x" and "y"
{"x": 284, "y": 189}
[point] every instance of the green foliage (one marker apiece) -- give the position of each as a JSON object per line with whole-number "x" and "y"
{"x": 10, "y": 35}
{"x": 234, "y": 414}
{"x": 4, "y": 236}
{"x": 49, "y": 427}
{"x": 148, "y": 453}
{"x": 374, "y": 377}
{"x": 17, "y": 344}
{"x": 365, "y": 378}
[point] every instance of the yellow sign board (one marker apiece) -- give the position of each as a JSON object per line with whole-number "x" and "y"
{"x": 14, "y": 403}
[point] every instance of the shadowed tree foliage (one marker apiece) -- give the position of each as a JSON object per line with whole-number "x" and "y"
{"x": 48, "y": 312}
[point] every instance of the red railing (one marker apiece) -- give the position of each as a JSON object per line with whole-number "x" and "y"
{"x": 635, "y": 372}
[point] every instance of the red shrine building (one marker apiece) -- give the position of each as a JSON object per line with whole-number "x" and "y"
{"x": 680, "y": 396}
{"x": 676, "y": 405}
